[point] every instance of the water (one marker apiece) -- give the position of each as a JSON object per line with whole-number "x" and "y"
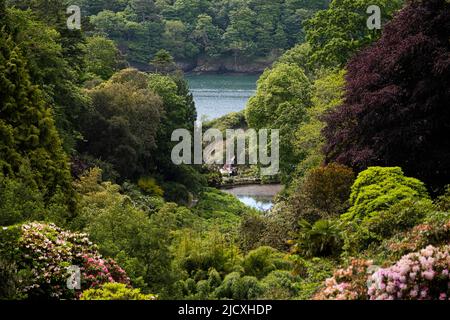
{"x": 260, "y": 197}
{"x": 218, "y": 95}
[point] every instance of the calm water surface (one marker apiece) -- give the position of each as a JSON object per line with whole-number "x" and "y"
{"x": 218, "y": 95}
{"x": 260, "y": 197}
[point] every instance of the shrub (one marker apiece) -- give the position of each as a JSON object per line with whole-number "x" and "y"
{"x": 321, "y": 239}
{"x": 312, "y": 274}
{"x": 260, "y": 262}
{"x": 178, "y": 193}
{"x": 21, "y": 200}
{"x": 196, "y": 255}
{"x": 279, "y": 285}
{"x": 96, "y": 270}
{"x": 434, "y": 231}
{"x": 251, "y": 230}
{"x": 443, "y": 201}
{"x": 377, "y": 188}
{"x": 115, "y": 291}
{"x": 400, "y": 217}
{"x": 150, "y": 204}
{"x": 422, "y": 275}
{"x": 46, "y": 251}
{"x": 149, "y": 186}
{"x": 323, "y": 194}
{"x": 10, "y": 281}
{"x": 347, "y": 284}
{"x": 239, "y": 288}
{"x": 246, "y": 288}
{"x": 225, "y": 290}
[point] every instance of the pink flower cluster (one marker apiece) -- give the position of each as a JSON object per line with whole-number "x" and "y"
{"x": 47, "y": 251}
{"x": 347, "y": 284}
{"x": 418, "y": 276}
{"x": 96, "y": 271}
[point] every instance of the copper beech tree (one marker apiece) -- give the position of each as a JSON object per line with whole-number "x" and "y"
{"x": 396, "y": 110}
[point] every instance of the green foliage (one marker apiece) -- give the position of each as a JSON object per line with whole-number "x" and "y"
{"x": 194, "y": 29}
{"x": 399, "y": 217}
{"x": 327, "y": 94}
{"x": 55, "y": 59}
{"x": 262, "y": 261}
{"x": 378, "y": 188}
{"x": 207, "y": 35}
{"x": 300, "y": 55}
{"x": 312, "y": 273}
{"x": 443, "y": 201}
{"x": 283, "y": 95}
{"x": 149, "y": 186}
{"x": 162, "y": 61}
{"x": 324, "y": 193}
{"x": 179, "y": 113}
{"x": 239, "y": 288}
{"x": 22, "y": 200}
{"x": 213, "y": 202}
{"x": 115, "y": 291}
{"x": 140, "y": 243}
{"x": 29, "y": 141}
{"x": 279, "y": 285}
{"x": 102, "y": 57}
{"x": 122, "y": 126}
{"x": 233, "y": 120}
{"x": 197, "y": 255}
{"x": 10, "y": 281}
{"x": 321, "y": 239}
{"x": 335, "y": 34}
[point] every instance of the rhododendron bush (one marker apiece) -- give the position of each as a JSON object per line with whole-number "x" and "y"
{"x": 47, "y": 252}
{"x": 418, "y": 276}
{"x": 422, "y": 275}
{"x": 347, "y": 284}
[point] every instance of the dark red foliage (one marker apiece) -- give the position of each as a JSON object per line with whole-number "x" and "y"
{"x": 397, "y": 104}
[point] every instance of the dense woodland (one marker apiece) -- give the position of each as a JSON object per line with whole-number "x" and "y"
{"x": 86, "y": 177}
{"x": 192, "y": 29}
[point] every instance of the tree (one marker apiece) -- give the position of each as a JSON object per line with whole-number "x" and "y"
{"x": 29, "y": 138}
{"x": 282, "y": 97}
{"x": 239, "y": 36}
{"x": 122, "y": 127}
{"x": 162, "y": 61}
{"x": 52, "y": 65}
{"x": 395, "y": 111}
{"x": 338, "y": 32}
{"x": 323, "y": 193}
{"x": 328, "y": 91}
{"x": 188, "y": 10}
{"x": 207, "y": 35}
{"x": 175, "y": 40}
{"x": 103, "y": 58}
{"x": 140, "y": 243}
{"x": 92, "y": 7}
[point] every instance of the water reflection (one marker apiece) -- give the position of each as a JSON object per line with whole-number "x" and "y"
{"x": 260, "y": 197}
{"x": 262, "y": 204}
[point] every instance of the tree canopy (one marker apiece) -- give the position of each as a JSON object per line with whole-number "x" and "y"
{"x": 396, "y": 102}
